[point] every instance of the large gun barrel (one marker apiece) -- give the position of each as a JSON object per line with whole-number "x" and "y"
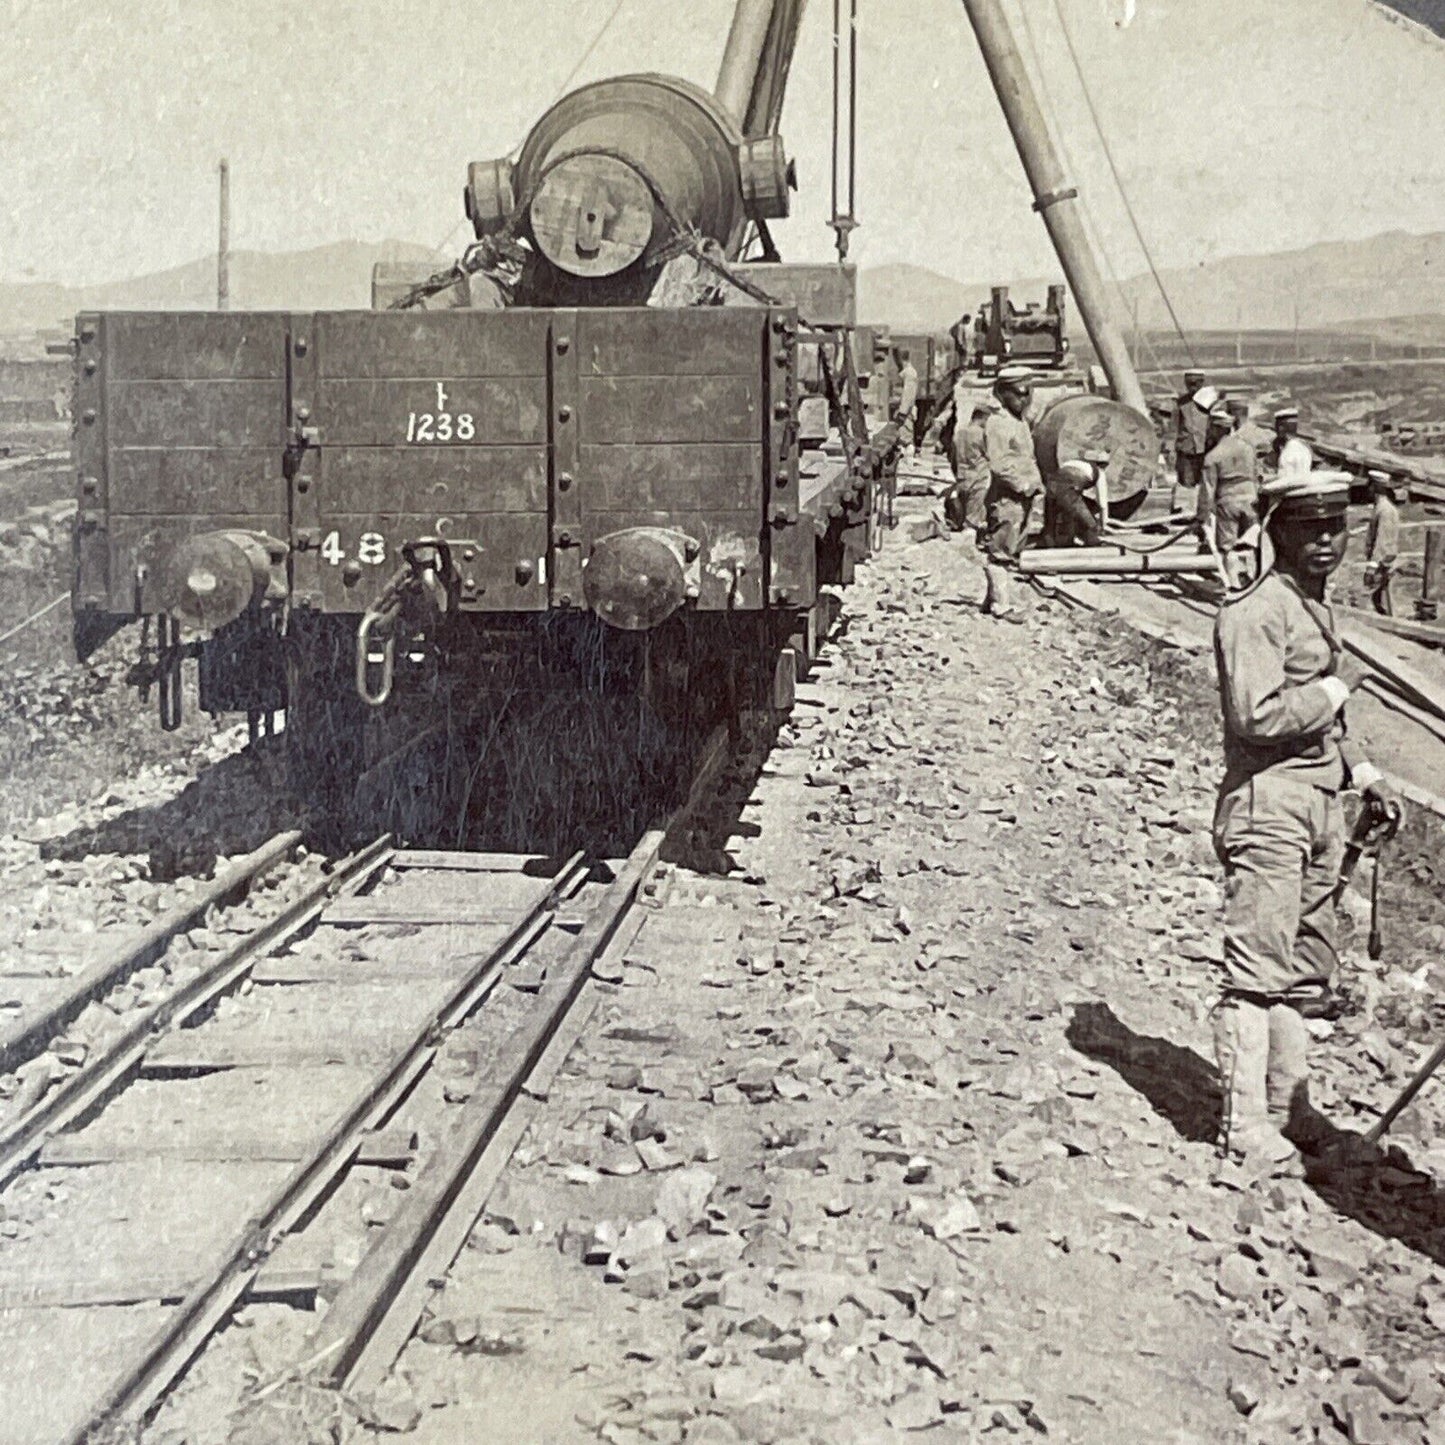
{"x": 614, "y": 172}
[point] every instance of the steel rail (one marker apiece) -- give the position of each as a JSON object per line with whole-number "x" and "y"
{"x": 27, "y": 1036}
{"x": 369, "y": 1322}
{"x": 363, "y": 1331}
{"x": 130, "y": 1399}
{"x": 114, "y": 1065}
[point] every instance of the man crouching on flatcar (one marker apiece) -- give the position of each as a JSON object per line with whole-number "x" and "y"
{"x": 1278, "y": 825}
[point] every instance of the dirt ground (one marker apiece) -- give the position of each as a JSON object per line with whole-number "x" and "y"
{"x": 921, "y": 1138}
{"x": 68, "y": 730}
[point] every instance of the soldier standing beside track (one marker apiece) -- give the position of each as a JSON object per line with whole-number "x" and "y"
{"x": 1014, "y": 482}
{"x": 1229, "y": 486}
{"x": 966, "y": 506}
{"x": 1278, "y": 826}
{"x": 907, "y": 399}
{"x": 1382, "y": 543}
{"x": 1189, "y": 428}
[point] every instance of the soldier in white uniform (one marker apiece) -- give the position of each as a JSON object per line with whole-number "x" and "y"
{"x": 1290, "y": 453}
{"x": 906, "y": 415}
{"x": 1278, "y": 826}
{"x": 1014, "y": 483}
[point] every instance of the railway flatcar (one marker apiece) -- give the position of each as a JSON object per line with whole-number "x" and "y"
{"x": 619, "y": 439}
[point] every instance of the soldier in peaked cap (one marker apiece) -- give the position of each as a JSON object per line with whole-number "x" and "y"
{"x": 1382, "y": 542}
{"x": 1289, "y": 453}
{"x": 1014, "y": 482}
{"x": 1189, "y": 431}
{"x": 1228, "y": 488}
{"x": 1278, "y": 825}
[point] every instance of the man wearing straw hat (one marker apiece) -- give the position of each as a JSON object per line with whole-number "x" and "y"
{"x": 1278, "y": 826}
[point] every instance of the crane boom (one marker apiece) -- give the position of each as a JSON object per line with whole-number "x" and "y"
{"x": 1054, "y": 199}
{"x": 756, "y": 60}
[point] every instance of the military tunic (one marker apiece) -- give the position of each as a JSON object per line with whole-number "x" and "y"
{"x": 1014, "y": 482}
{"x": 1191, "y": 424}
{"x": 1229, "y": 490}
{"x": 1278, "y": 825}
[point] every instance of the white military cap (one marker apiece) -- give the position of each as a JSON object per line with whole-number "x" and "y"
{"x": 1206, "y": 397}
{"x": 1378, "y": 476}
{"x": 1286, "y": 412}
{"x": 1013, "y": 375}
{"x": 1079, "y": 472}
{"x": 1322, "y": 493}
{"x": 1219, "y": 412}
{"x": 1098, "y": 456}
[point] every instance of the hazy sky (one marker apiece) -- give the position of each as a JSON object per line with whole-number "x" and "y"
{"x": 1239, "y": 125}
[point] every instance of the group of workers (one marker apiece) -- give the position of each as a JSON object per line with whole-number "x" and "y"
{"x": 1215, "y": 458}
{"x": 997, "y": 480}
{"x": 1284, "y": 680}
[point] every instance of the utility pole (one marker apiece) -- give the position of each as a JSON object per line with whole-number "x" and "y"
{"x": 1054, "y": 198}
{"x": 223, "y": 250}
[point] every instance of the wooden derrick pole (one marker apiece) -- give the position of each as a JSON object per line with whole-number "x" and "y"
{"x": 1054, "y": 198}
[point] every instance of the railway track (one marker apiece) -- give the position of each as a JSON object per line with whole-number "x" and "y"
{"x": 318, "y": 1114}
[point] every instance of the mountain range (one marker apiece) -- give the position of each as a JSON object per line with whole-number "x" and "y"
{"x": 1395, "y": 275}
{"x": 1392, "y": 275}
{"x": 334, "y": 277}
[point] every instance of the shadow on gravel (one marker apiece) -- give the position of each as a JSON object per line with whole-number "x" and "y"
{"x": 1374, "y": 1185}
{"x": 1180, "y": 1086}
{"x": 554, "y": 804}
{"x": 234, "y": 806}
{"x": 699, "y": 841}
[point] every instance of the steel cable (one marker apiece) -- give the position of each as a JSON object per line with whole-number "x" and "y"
{"x": 1085, "y": 210}
{"x": 34, "y": 617}
{"x": 1119, "y": 182}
